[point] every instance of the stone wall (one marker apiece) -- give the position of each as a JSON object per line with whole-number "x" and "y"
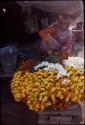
{"x": 70, "y": 116}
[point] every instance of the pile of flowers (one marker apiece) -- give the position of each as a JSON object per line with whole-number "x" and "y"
{"x": 26, "y": 64}
{"x": 76, "y": 62}
{"x": 49, "y": 85}
{"x": 60, "y": 54}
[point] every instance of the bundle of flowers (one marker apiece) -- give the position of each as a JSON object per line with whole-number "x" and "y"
{"x": 50, "y": 84}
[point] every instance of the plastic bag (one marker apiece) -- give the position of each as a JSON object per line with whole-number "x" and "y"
{"x": 8, "y": 57}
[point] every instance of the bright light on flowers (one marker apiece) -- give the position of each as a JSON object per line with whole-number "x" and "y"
{"x": 76, "y": 62}
{"x": 52, "y": 66}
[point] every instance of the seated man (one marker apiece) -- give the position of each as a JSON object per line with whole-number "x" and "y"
{"x": 57, "y": 37}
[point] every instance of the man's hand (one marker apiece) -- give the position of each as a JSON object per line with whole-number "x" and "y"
{"x": 48, "y": 44}
{"x": 49, "y": 52}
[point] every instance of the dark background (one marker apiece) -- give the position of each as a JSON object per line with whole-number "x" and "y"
{"x": 14, "y": 113}
{"x": 12, "y": 31}
{"x": 12, "y": 28}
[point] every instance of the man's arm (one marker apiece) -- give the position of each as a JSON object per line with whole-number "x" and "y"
{"x": 44, "y": 33}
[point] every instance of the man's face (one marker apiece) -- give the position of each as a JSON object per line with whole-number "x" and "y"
{"x": 79, "y": 25}
{"x": 63, "y": 23}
